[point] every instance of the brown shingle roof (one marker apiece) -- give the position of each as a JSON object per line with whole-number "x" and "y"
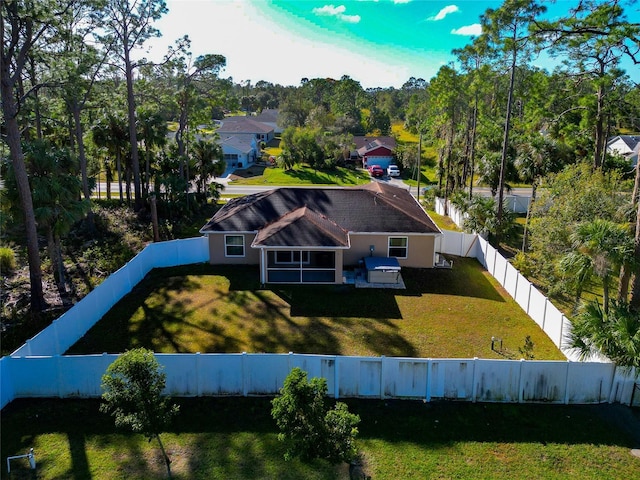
{"x": 375, "y": 207}
{"x": 302, "y": 228}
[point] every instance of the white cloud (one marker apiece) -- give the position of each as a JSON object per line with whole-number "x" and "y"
{"x": 338, "y": 12}
{"x": 471, "y": 30}
{"x": 330, "y": 10}
{"x": 444, "y": 12}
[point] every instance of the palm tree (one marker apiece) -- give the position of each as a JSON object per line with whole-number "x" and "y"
{"x": 536, "y": 158}
{"x": 208, "y": 163}
{"x": 111, "y": 133}
{"x": 601, "y": 247}
{"x": 614, "y": 334}
{"x": 56, "y": 188}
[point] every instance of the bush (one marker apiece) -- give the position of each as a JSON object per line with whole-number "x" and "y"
{"x": 308, "y": 427}
{"x": 7, "y": 260}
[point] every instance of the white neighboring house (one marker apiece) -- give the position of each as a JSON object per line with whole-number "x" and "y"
{"x": 240, "y": 139}
{"x": 626, "y": 146}
{"x": 269, "y": 116}
{"x": 239, "y": 152}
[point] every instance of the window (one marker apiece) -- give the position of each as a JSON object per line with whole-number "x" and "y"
{"x": 398, "y": 247}
{"x": 234, "y": 245}
{"x": 283, "y": 256}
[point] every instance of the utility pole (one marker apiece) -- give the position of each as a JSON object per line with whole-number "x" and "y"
{"x": 419, "y": 164}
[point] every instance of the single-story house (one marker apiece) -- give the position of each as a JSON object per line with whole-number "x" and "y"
{"x": 246, "y": 127}
{"x": 313, "y": 235}
{"x": 239, "y": 152}
{"x": 374, "y": 151}
{"x": 269, "y": 116}
{"x": 626, "y": 146}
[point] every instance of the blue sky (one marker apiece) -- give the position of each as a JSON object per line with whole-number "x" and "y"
{"x": 379, "y": 43}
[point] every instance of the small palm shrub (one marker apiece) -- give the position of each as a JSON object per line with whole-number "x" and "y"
{"x": 7, "y": 260}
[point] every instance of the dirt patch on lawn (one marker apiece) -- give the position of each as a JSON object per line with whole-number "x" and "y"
{"x": 253, "y": 171}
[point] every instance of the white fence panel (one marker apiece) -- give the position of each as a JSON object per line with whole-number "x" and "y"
{"x": 497, "y": 380}
{"x": 81, "y": 376}
{"x": 265, "y": 373}
{"x": 7, "y": 391}
{"x": 589, "y": 382}
{"x": 553, "y": 324}
{"x": 359, "y": 377}
{"x": 543, "y": 381}
{"x": 622, "y": 387}
{"x": 220, "y": 374}
{"x": 451, "y": 379}
{"x": 405, "y": 377}
{"x": 500, "y": 268}
{"x": 370, "y": 383}
{"x": 323, "y": 366}
{"x": 182, "y": 373}
{"x": 511, "y": 281}
{"x": 523, "y": 292}
{"x": 35, "y": 376}
{"x": 538, "y": 307}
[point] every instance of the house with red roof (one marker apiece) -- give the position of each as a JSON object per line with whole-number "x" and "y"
{"x": 374, "y": 151}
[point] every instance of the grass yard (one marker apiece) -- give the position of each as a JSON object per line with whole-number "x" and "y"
{"x": 300, "y": 175}
{"x": 203, "y": 308}
{"x": 236, "y": 438}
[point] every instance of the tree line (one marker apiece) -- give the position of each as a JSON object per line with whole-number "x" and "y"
{"x": 78, "y": 100}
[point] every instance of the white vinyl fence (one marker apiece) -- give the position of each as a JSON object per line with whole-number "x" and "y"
{"x": 39, "y": 368}
{"x": 191, "y": 375}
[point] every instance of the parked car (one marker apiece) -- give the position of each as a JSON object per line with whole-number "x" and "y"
{"x": 393, "y": 171}
{"x": 376, "y": 171}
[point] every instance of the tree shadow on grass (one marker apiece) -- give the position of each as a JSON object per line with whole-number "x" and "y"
{"x": 467, "y": 278}
{"x": 442, "y": 423}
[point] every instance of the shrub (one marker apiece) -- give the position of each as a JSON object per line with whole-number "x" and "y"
{"x": 308, "y": 427}
{"x": 7, "y": 260}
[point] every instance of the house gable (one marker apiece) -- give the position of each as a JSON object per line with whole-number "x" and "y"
{"x": 302, "y": 228}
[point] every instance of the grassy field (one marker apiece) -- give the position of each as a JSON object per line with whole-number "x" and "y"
{"x": 443, "y": 313}
{"x": 236, "y": 438}
{"x": 300, "y": 175}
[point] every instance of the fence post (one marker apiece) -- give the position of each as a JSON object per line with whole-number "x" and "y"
{"x": 245, "y": 389}
{"x": 562, "y": 319}
{"x": 544, "y": 314}
{"x": 59, "y": 376}
{"x": 520, "y": 391}
{"x": 474, "y": 387}
{"x": 198, "y": 386}
{"x": 529, "y": 297}
{"x": 382, "y": 377}
{"x": 566, "y": 384}
{"x": 428, "y": 393}
{"x": 336, "y": 377}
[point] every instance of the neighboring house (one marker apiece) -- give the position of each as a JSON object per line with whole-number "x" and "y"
{"x": 246, "y": 127}
{"x": 270, "y": 118}
{"x": 313, "y": 235}
{"x": 240, "y": 139}
{"x": 239, "y": 152}
{"x": 626, "y": 146}
{"x": 374, "y": 151}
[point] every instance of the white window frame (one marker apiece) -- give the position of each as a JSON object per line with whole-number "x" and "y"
{"x": 227, "y": 245}
{"x": 406, "y": 247}
{"x": 306, "y": 258}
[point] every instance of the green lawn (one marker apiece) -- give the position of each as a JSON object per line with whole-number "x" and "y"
{"x": 300, "y": 175}
{"x": 443, "y": 313}
{"x": 236, "y": 438}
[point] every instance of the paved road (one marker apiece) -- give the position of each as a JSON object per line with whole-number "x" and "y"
{"x": 231, "y": 189}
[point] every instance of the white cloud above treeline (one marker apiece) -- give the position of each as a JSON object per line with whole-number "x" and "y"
{"x": 471, "y": 30}
{"x": 338, "y": 12}
{"x": 444, "y": 12}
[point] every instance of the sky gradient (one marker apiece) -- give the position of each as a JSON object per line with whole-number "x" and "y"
{"x": 380, "y": 43}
